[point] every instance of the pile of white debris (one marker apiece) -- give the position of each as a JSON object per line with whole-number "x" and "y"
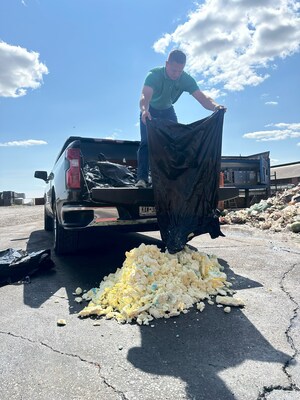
{"x": 278, "y": 213}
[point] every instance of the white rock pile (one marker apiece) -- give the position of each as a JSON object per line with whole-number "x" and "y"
{"x": 278, "y": 213}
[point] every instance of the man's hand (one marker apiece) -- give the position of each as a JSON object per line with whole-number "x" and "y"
{"x": 146, "y": 114}
{"x": 219, "y": 107}
{"x": 146, "y": 97}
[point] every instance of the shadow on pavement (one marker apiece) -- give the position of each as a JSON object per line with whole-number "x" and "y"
{"x": 195, "y": 347}
{"x": 238, "y": 282}
{"x": 100, "y": 255}
{"x": 199, "y": 347}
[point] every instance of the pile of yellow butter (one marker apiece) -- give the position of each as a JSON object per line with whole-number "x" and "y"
{"x": 155, "y": 284}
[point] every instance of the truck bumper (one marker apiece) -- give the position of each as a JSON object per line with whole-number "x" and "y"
{"x": 80, "y": 216}
{"x": 127, "y": 209}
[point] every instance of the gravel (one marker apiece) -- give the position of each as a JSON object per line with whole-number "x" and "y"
{"x": 17, "y": 215}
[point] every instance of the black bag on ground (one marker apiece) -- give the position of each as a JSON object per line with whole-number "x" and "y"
{"x": 185, "y": 163}
{"x": 16, "y": 265}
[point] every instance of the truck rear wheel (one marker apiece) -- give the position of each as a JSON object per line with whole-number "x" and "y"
{"x": 48, "y": 222}
{"x": 65, "y": 241}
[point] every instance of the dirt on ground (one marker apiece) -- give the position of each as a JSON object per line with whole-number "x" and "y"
{"x": 18, "y": 215}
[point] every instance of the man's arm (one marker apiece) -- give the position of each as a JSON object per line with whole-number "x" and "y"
{"x": 146, "y": 97}
{"x": 206, "y": 101}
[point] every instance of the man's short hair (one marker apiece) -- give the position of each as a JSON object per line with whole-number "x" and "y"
{"x": 177, "y": 56}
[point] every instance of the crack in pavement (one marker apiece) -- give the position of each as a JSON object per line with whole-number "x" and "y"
{"x": 285, "y": 249}
{"x": 51, "y": 348}
{"x": 292, "y": 386}
{"x": 95, "y": 364}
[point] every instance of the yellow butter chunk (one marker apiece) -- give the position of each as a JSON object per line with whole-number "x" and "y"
{"x": 155, "y": 284}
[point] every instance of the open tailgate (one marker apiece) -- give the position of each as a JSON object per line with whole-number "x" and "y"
{"x": 143, "y": 197}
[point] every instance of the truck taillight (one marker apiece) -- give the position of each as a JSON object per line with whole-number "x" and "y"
{"x": 73, "y": 173}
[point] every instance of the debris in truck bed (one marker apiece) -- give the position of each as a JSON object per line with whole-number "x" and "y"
{"x": 278, "y": 213}
{"x": 153, "y": 284}
{"x": 107, "y": 174}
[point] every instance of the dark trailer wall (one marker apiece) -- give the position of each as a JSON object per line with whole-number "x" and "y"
{"x": 250, "y": 174}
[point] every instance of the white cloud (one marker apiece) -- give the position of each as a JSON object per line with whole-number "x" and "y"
{"x": 273, "y": 161}
{"x": 293, "y": 127}
{"x": 271, "y": 103}
{"x": 162, "y": 43}
{"x": 284, "y": 131}
{"x": 23, "y": 143}
{"x": 112, "y": 136}
{"x": 233, "y": 43}
{"x": 115, "y": 134}
{"x": 214, "y": 93}
{"x": 20, "y": 70}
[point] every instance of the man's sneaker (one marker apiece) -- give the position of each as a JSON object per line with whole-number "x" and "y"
{"x": 141, "y": 184}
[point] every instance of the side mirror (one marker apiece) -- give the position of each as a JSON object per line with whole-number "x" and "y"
{"x": 41, "y": 175}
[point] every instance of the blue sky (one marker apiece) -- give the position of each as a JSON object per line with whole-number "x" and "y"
{"x": 76, "y": 67}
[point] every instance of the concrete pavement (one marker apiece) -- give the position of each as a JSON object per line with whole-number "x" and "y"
{"x": 249, "y": 354}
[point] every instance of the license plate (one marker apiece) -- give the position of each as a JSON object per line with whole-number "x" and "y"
{"x": 147, "y": 211}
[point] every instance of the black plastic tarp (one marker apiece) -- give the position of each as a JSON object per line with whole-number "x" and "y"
{"x": 16, "y": 265}
{"x": 108, "y": 174}
{"x": 185, "y": 163}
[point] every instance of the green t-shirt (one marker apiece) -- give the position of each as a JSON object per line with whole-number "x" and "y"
{"x": 167, "y": 91}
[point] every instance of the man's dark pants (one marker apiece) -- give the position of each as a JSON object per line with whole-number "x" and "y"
{"x": 142, "y": 154}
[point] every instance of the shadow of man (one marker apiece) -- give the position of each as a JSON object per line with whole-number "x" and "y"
{"x": 198, "y": 347}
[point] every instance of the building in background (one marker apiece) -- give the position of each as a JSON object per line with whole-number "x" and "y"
{"x": 8, "y": 198}
{"x": 284, "y": 176}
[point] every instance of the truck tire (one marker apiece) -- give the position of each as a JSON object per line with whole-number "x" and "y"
{"x": 65, "y": 241}
{"x": 48, "y": 222}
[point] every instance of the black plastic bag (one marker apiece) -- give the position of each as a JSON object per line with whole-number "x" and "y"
{"x": 107, "y": 174}
{"x": 16, "y": 265}
{"x": 185, "y": 163}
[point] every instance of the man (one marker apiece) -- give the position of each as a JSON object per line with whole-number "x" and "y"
{"x": 162, "y": 88}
